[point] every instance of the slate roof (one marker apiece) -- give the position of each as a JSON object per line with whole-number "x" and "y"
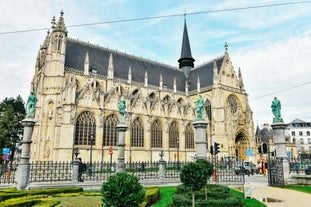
{"x": 99, "y": 59}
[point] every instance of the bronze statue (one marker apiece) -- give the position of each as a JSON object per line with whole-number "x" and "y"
{"x": 122, "y": 107}
{"x": 276, "y": 110}
{"x": 31, "y": 105}
{"x": 199, "y": 111}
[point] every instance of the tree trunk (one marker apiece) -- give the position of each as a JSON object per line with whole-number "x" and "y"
{"x": 193, "y": 199}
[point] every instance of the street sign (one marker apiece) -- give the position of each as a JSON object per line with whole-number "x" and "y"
{"x": 288, "y": 154}
{"x": 110, "y": 150}
{"x": 249, "y": 152}
{"x": 5, "y": 151}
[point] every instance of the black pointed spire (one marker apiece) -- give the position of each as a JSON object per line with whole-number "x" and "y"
{"x": 186, "y": 58}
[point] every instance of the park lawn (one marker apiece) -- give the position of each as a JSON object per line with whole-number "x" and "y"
{"x": 302, "y": 188}
{"x": 166, "y": 196}
{"x": 85, "y": 201}
{"x": 248, "y": 202}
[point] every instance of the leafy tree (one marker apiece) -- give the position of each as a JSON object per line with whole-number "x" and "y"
{"x": 194, "y": 176}
{"x": 12, "y": 112}
{"x": 122, "y": 189}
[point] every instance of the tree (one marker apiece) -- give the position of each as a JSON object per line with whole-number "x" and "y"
{"x": 122, "y": 189}
{"x": 194, "y": 175}
{"x": 12, "y": 112}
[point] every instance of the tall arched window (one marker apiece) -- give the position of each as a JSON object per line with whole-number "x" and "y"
{"x": 156, "y": 134}
{"x": 173, "y": 135}
{"x": 85, "y": 126}
{"x": 208, "y": 109}
{"x": 189, "y": 137}
{"x": 110, "y": 131}
{"x": 137, "y": 136}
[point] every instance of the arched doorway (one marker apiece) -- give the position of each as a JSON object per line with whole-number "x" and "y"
{"x": 241, "y": 146}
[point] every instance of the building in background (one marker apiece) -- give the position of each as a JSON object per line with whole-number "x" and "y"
{"x": 299, "y": 133}
{"x": 79, "y": 86}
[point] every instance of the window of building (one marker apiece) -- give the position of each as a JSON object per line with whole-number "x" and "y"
{"x": 137, "y": 136}
{"x": 156, "y": 134}
{"x": 189, "y": 137}
{"x": 308, "y": 133}
{"x": 301, "y": 141}
{"x": 85, "y": 126}
{"x": 208, "y": 110}
{"x": 293, "y": 133}
{"x": 309, "y": 140}
{"x": 309, "y": 149}
{"x": 173, "y": 136}
{"x": 110, "y": 131}
{"x": 300, "y": 133}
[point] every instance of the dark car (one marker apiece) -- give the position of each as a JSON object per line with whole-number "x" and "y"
{"x": 308, "y": 170}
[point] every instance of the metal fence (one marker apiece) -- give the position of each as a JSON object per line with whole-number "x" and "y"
{"x": 46, "y": 171}
{"x": 298, "y": 166}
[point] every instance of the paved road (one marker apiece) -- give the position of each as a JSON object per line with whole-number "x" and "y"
{"x": 276, "y": 197}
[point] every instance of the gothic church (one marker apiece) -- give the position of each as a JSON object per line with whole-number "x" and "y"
{"x": 79, "y": 86}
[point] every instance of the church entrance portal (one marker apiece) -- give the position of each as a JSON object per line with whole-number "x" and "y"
{"x": 241, "y": 146}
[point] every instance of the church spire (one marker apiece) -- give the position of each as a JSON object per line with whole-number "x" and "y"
{"x": 186, "y": 60}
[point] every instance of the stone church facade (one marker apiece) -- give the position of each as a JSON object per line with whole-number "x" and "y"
{"x": 79, "y": 86}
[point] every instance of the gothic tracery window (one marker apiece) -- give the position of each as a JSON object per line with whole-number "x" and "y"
{"x": 173, "y": 136}
{"x": 208, "y": 109}
{"x": 137, "y": 135}
{"x": 232, "y": 103}
{"x": 85, "y": 126}
{"x": 156, "y": 134}
{"x": 110, "y": 131}
{"x": 189, "y": 137}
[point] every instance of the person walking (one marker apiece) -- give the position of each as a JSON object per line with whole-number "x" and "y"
{"x": 82, "y": 168}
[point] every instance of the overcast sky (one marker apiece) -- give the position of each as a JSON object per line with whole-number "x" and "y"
{"x": 271, "y": 44}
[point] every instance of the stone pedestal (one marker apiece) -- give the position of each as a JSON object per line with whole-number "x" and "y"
{"x": 75, "y": 171}
{"x": 162, "y": 170}
{"x": 121, "y": 128}
{"x": 200, "y": 133}
{"x": 23, "y": 170}
{"x": 280, "y": 145}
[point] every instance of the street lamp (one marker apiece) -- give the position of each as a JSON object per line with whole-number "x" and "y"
{"x": 76, "y": 152}
{"x": 91, "y": 143}
{"x": 178, "y": 154}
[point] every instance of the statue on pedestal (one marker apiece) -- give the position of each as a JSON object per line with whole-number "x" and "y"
{"x": 31, "y": 105}
{"x": 276, "y": 110}
{"x": 122, "y": 107}
{"x": 200, "y": 106}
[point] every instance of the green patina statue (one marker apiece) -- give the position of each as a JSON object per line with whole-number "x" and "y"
{"x": 31, "y": 105}
{"x": 199, "y": 112}
{"x": 276, "y": 110}
{"x": 122, "y": 107}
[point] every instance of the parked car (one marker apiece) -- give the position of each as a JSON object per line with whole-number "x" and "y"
{"x": 245, "y": 167}
{"x": 308, "y": 170}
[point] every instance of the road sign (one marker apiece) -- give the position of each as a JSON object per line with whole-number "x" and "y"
{"x": 5, "y": 151}
{"x": 110, "y": 150}
{"x": 249, "y": 152}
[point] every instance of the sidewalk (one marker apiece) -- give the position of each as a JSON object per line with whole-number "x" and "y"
{"x": 279, "y": 197}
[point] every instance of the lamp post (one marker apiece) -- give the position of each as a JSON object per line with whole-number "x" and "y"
{"x": 76, "y": 152}
{"x": 91, "y": 149}
{"x": 178, "y": 154}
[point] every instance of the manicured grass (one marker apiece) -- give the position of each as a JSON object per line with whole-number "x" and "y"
{"x": 85, "y": 201}
{"x": 248, "y": 202}
{"x": 302, "y": 188}
{"x": 168, "y": 192}
{"x": 166, "y": 196}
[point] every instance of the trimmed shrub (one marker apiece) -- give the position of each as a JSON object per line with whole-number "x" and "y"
{"x": 122, "y": 189}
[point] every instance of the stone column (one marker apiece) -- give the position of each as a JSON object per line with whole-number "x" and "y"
{"x": 75, "y": 171}
{"x": 161, "y": 168}
{"x": 200, "y": 135}
{"x": 23, "y": 170}
{"x": 121, "y": 128}
{"x": 280, "y": 145}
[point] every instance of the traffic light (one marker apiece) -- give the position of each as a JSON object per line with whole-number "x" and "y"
{"x": 211, "y": 150}
{"x": 264, "y": 148}
{"x": 216, "y": 148}
{"x": 259, "y": 150}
